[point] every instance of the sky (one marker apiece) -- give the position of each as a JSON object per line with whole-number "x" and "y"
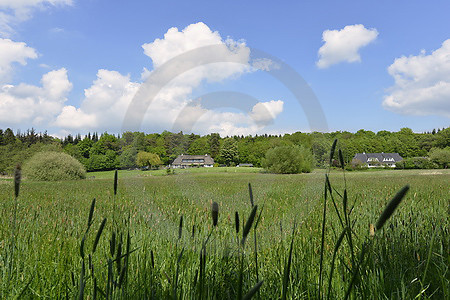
{"x": 232, "y": 67}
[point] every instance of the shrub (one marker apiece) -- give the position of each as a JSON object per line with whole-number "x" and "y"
{"x": 288, "y": 160}
{"x": 440, "y": 157}
{"x": 53, "y": 166}
{"x": 415, "y": 163}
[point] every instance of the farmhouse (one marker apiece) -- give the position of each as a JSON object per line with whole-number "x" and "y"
{"x": 187, "y": 161}
{"x": 373, "y": 160}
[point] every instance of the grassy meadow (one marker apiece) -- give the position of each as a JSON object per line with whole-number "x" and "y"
{"x": 143, "y": 250}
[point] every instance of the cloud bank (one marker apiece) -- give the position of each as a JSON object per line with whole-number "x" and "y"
{"x": 107, "y": 99}
{"x": 422, "y": 83}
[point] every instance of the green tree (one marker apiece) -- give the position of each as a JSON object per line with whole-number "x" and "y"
{"x": 440, "y": 156}
{"x": 85, "y": 146}
{"x": 127, "y": 158}
{"x": 229, "y": 153}
{"x": 147, "y": 159}
{"x": 199, "y": 147}
{"x": 214, "y": 145}
{"x": 9, "y": 137}
{"x": 288, "y": 160}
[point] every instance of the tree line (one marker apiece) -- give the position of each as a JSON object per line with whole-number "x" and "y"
{"x": 135, "y": 149}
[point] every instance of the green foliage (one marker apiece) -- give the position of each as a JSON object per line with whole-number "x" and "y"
{"x": 147, "y": 159}
{"x": 288, "y": 160}
{"x": 53, "y": 166}
{"x": 92, "y": 149}
{"x": 440, "y": 156}
{"x": 97, "y": 162}
{"x": 128, "y": 157}
{"x": 229, "y": 154}
{"x": 416, "y": 163}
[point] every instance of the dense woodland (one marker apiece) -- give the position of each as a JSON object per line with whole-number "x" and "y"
{"x": 108, "y": 151}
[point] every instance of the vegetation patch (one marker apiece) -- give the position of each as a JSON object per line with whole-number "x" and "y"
{"x": 289, "y": 160}
{"x": 53, "y": 166}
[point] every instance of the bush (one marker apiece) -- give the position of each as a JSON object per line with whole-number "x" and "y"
{"x": 288, "y": 160}
{"x": 53, "y": 166}
{"x": 415, "y": 163}
{"x": 440, "y": 156}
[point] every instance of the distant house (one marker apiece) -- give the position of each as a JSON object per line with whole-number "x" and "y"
{"x": 245, "y": 165}
{"x": 373, "y": 160}
{"x": 188, "y": 161}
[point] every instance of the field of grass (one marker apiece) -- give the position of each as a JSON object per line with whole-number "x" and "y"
{"x": 160, "y": 259}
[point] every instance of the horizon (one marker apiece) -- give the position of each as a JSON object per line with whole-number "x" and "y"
{"x": 72, "y": 66}
{"x": 119, "y": 135}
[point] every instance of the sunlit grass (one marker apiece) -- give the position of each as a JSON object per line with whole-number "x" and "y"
{"x": 52, "y": 219}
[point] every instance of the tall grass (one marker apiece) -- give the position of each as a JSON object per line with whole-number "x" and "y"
{"x": 331, "y": 252}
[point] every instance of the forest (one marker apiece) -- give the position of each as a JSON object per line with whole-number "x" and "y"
{"x": 109, "y": 151}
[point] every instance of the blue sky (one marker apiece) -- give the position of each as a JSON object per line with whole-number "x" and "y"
{"x": 70, "y": 66}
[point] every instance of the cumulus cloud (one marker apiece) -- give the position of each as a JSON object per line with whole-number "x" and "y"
{"x": 422, "y": 83}
{"x": 110, "y": 95}
{"x": 107, "y": 100}
{"x": 13, "y": 52}
{"x": 104, "y": 104}
{"x": 264, "y": 113}
{"x": 13, "y": 12}
{"x": 34, "y": 105}
{"x": 344, "y": 45}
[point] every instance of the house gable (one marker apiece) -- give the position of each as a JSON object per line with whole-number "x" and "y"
{"x": 378, "y": 159}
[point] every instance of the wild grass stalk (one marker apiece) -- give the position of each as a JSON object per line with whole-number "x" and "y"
{"x": 17, "y": 180}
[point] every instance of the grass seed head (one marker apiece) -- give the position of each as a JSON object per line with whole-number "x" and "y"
{"x": 17, "y": 179}
{"x": 371, "y": 230}
{"x": 215, "y": 213}
{"x": 180, "y": 227}
{"x": 251, "y": 194}
{"x": 333, "y": 148}
{"x": 390, "y": 208}
{"x": 115, "y": 182}
{"x": 236, "y": 221}
{"x": 248, "y": 224}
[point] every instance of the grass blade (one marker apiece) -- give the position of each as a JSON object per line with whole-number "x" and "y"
{"x": 336, "y": 248}
{"x": 99, "y": 233}
{"x": 287, "y": 267}
{"x": 82, "y": 282}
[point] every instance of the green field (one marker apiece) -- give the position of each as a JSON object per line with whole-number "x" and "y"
{"x": 409, "y": 257}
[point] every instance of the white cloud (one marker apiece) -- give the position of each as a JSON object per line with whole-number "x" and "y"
{"x": 13, "y": 52}
{"x": 74, "y": 118}
{"x": 34, "y": 105}
{"x": 422, "y": 83}
{"x": 104, "y": 105}
{"x": 343, "y": 45}
{"x": 195, "y": 36}
{"x": 13, "y": 12}
{"x": 264, "y": 113}
{"x": 110, "y": 95}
